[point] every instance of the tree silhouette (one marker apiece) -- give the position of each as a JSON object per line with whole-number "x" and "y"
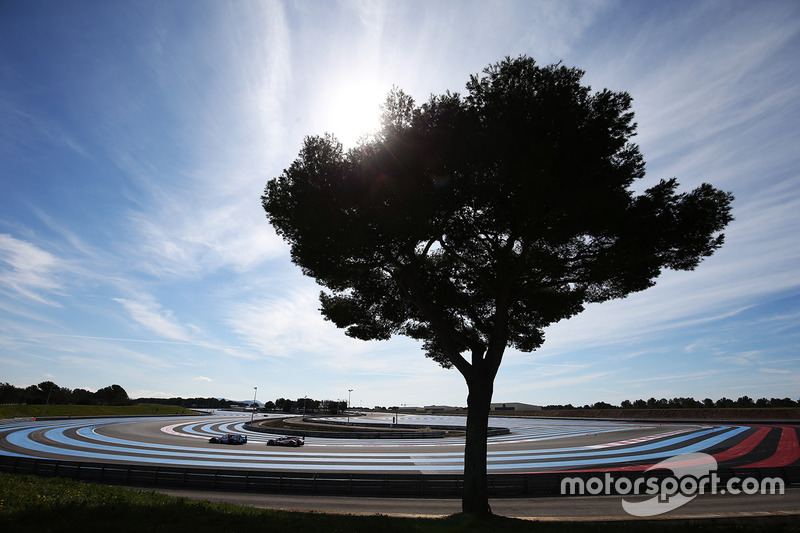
{"x": 472, "y": 223}
{"x": 112, "y": 395}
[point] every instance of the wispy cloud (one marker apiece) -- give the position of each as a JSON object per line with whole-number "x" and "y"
{"x": 150, "y": 315}
{"x": 28, "y": 271}
{"x": 677, "y": 377}
{"x": 205, "y": 215}
{"x": 555, "y": 365}
{"x": 775, "y": 371}
{"x": 287, "y": 323}
{"x": 133, "y": 243}
{"x": 741, "y": 359}
{"x": 574, "y": 380}
{"x": 149, "y": 341}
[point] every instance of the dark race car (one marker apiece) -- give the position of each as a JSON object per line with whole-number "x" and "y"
{"x": 229, "y": 439}
{"x": 293, "y": 442}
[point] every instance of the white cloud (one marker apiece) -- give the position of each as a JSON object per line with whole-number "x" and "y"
{"x": 194, "y": 148}
{"x": 775, "y": 371}
{"x": 183, "y": 241}
{"x": 28, "y": 271}
{"x": 741, "y": 359}
{"x": 287, "y": 322}
{"x": 177, "y": 135}
{"x": 676, "y": 377}
{"x": 146, "y": 393}
{"x": 149, "y": 314}
{"x": 574, "y": 380}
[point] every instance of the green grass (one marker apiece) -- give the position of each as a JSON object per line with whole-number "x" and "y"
{"x": 292, "y": 425}
{"x": 32, "y": 411}
{"x": 52, "y": 504}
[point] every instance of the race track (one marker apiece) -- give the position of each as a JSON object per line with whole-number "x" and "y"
{"x": 534, "y": 445}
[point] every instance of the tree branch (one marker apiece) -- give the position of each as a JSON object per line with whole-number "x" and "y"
{"x": 449, "y": 336}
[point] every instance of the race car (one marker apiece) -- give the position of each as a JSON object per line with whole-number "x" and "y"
{"x": 294, "y": 442}
{"x": 229, "y": 439}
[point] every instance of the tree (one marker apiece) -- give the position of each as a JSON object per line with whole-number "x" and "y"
{"x": 33, "y": 395}
{"x": 782, "y": 402}
{"x": 472, "y": 223}
{"x": 684, "y": 403}
{"x": 336, "y": 407}
{"x": 745, "y": 401}
{"x": 307, "y": 405}
{"x": 282, "y": 404}
{"x": 725, "y": 403}
{"x": 9, "y": 394}
{"x": 112, "y": 395}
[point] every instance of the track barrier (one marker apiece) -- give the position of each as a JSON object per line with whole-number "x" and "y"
{"x": 322, "y": 483}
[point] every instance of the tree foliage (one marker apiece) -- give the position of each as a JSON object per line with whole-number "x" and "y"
{"x": 112, "y": 395}
{"x": 49, "y": 392}
{"x": 487, "y": 217}
{"x": 473, "y": 222}
{"x": 690, "y": 403}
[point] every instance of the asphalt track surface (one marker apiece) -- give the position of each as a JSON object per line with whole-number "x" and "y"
{"x": 534, "y": 445}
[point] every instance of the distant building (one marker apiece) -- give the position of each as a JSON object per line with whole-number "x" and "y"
{"x": 440, "y": 408}
{"x": 515, "y": 406}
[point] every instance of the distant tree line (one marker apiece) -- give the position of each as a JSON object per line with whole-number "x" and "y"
{"x": 193, "y": 403}
{"x": 48, "y": 392}
{"x": 300, "y": 405}
{"x": 686, "y": 403}
{"x": 307, "y": 406}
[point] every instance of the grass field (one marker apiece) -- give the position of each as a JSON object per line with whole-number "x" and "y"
{"x": 52, "y": 504}
{"x": 32, "y": 411}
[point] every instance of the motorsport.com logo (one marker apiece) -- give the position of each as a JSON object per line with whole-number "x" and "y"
{"x": 693, "y": 474}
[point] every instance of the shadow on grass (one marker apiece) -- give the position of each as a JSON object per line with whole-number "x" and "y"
{"x": 187, "y": 515}
{"x": 29, "y": 503}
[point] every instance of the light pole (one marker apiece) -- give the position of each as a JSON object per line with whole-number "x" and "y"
{"x": 305, "y": 398}
{"x": 47, "y": 402}
{"x": 253, "y": 414}
{"x": 349, "y": 392}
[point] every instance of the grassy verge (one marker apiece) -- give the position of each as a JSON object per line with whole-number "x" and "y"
{"x": 295, "y": 424}
{"x": 32, "y": 411}
{"x": 52, "y": 504}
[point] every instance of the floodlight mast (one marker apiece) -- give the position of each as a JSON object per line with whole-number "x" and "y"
{"x": 349, "y": 392}
{"x": 253, "y": 414}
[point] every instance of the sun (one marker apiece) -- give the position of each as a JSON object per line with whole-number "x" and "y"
{"x": 354, "y": 110}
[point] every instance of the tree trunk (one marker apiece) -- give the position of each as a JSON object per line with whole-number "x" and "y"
{"x": 475, "y": 499}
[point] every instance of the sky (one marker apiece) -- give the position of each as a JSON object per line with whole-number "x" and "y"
{"x": 136, "y": 138}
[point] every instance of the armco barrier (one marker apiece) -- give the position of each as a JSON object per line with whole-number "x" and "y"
{"x": 323, "y": 483}
{"x": 332, "y": 483}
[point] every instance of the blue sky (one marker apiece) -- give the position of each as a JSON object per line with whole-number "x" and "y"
{"x": 137, "y": 138}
